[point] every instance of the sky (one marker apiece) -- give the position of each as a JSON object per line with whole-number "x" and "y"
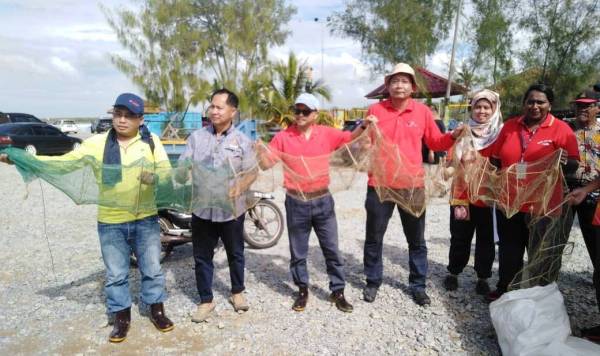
{"x": 55, "y": 57}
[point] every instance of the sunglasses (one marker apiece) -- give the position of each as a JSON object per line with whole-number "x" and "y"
{"x": 304, "y": 112}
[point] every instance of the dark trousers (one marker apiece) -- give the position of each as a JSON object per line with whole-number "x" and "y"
{"x": 205, "y": 236}
{"x": 591, "y": 235}
{"x": 378, "y": 216}
{"x": 517, "y": 235}
{"x": 318, "y": 214}
{"x": 461, "y": 235}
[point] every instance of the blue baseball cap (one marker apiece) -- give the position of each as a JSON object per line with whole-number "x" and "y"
{"x": 132, "y": 102}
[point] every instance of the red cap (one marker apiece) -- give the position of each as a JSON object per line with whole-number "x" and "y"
{"x": 586, "y": 100}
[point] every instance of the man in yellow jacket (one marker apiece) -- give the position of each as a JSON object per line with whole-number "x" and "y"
{"x": 126, "y": 159}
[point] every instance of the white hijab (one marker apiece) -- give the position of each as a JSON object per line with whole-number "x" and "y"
{"x": 485, "y": 134}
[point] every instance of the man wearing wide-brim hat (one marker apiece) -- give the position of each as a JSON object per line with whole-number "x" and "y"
{"x": 405, "y": 123}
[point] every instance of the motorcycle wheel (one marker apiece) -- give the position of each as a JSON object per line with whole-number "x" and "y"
{"x": 263, "y": 225}
{"x": 165, "y": 247}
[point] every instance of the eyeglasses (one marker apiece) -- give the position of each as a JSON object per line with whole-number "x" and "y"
{"x": 303, "y": 112}
{"x": 126, "y": 114}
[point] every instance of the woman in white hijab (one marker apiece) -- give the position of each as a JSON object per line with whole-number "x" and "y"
{"x": 466, "y": 217}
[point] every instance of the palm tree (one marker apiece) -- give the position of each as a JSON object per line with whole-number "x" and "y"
{"x": 466, "y": 77}
{"x": 289, "y": 79}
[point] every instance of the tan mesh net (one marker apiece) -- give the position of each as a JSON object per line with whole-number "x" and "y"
{"x": 538, "y": 188}
{"x": 188, "y": 186}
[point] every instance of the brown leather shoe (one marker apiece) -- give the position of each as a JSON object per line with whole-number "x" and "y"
{"x": 301, "y": 300}
{"x": 341, "y": 303}
{"x": 159, "y": 319}
{"x": 120, "y": 326}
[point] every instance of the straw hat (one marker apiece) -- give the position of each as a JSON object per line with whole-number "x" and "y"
{"x": 401, "y": 68}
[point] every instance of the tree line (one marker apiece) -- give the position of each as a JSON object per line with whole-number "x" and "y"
{"x": 510, "y": 44}
{"x": 178, "y": 51}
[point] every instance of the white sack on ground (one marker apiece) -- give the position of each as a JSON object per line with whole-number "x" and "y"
{"x": 534, "y": 321}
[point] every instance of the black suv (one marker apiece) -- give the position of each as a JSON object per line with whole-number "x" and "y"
{"x": 14, "y": 117}
{"x": 101, "y": 125}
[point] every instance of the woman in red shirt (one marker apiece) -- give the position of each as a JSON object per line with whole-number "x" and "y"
{"x": 521, "y": 142}
{"x": 466, "y": 217}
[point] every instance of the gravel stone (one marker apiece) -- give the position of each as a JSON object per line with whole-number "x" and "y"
{"x": 59, "y": 306}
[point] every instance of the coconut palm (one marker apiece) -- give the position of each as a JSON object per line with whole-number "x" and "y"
{"x": 289, "y": 79}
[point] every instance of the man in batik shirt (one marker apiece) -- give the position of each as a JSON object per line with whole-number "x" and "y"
{"x": 583, "y": 184}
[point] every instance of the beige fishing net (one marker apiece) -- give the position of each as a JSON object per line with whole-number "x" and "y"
{"x": 188, "y": 186}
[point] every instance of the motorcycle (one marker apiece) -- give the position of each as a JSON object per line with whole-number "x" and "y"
{"x": 263, "y": 226}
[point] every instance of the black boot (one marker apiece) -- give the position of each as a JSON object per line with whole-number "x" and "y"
{"x": 369, "y": 294}
{"x": 341, "y": 303}
{"x": 120, "y": 326}
{"x": 482, "y": 287}
{"x": 300, "y": 302}
{"x": 451, "y": 282}
{"x": 420, "y": 297}
{"x": 159, "y": 319}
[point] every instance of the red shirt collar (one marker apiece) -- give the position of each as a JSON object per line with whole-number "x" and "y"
{"x": 388, "y": 105}
{"x": 548, "y": 121}
{"x": 293, "y": 129}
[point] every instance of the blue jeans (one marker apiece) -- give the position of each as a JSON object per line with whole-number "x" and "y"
{"x": 116, "y": 242}
{"x": 301, "y": 218}
{"x": 378, "y": 217}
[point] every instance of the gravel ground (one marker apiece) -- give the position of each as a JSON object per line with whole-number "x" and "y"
{"x": 60, "y": 310}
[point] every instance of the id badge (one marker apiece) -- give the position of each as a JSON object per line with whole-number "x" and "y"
{"x": 521, "y": 170}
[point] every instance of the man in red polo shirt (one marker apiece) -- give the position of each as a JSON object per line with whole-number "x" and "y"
{"x": 405, "y": 124}
{"x": 305, "y": 148}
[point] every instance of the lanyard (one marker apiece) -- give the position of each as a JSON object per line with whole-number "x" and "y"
{"x": 525, "y": 141}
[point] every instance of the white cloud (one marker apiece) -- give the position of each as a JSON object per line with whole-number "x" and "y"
{"x": 21, "y": 64}
{"x": 84, "y": 32}
{"x": 58, "y": 53}
{"x": 63, "y": 66}
{"x": 37, "y": 5}
{"x": 439, "y": 63}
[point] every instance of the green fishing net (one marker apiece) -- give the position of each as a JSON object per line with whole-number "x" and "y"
{"x": 142, "y": 186}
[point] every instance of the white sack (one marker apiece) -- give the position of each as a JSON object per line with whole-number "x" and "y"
{"x": 534, "y": 321}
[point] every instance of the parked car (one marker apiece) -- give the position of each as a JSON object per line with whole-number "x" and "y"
{"x": 37, "y": 138}
{"x": 67, "y": 126}
{"x": 101, "y": 124}
{"x": 13, "y": 117}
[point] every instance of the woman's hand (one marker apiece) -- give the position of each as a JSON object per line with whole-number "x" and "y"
{"x": 461, "y": 212}
{"x": 458, "y": 131}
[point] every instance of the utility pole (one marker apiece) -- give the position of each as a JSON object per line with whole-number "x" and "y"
{"x": 322, "y": 48}
{"x": 451, "y": 69}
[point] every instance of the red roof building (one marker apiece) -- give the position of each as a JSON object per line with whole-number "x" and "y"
{"x": 429, "y": 85}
